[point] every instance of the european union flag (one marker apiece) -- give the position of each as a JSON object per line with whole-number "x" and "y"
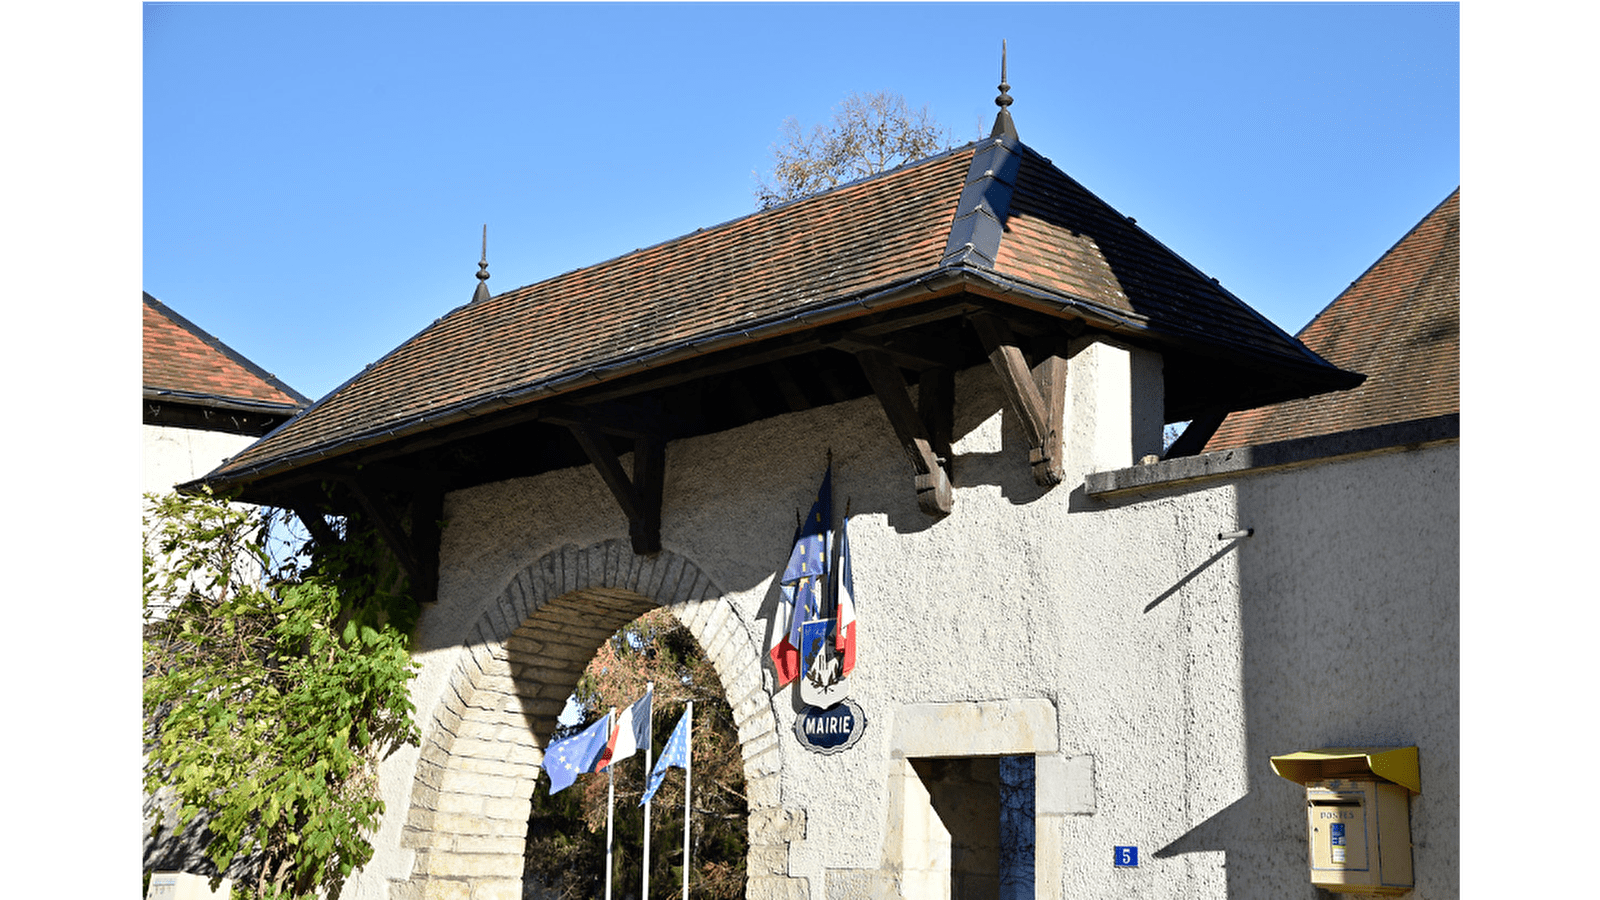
{"x": 810, "y": 554}
{"x": 803, "y": 585}
{"x": 676, "y": 753}
{"x": 568, "y": 758}
{"x": 807, "y": 571}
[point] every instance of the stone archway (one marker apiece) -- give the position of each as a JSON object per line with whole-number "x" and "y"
{"x": 481, "y": 753}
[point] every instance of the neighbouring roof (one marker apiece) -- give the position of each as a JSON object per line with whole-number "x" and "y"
{"x": 898, "y": 257}
{"x": 191, "y": 378}
{"x": 1399, "y": 324}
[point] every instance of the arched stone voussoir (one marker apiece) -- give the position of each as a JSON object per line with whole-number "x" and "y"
{"x": 523, "y": 659}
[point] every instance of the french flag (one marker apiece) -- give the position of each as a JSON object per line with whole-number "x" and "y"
{"x": 845, "y": 633}
{"x": 785, "y": 655}
{"x": 632, "y": 732}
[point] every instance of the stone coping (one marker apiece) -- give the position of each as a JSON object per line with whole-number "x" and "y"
{"x": 1279, "y": 455}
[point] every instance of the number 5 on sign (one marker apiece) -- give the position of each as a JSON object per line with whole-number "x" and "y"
{"x": 1126, "y": 856}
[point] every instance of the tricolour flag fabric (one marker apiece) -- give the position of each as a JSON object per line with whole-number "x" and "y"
{"x": 785, "y": 653}
{"x": 804, "y": 583}
{"x": 676, "y": 753}
{"x": 568, "y": 758}
{"x": 845, "y": 630}
{"x": 631, "y": 733}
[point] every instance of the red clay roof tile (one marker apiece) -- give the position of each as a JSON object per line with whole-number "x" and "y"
{"x": 1399, "y": 324}
{"x": 182, "y": 360}
{"x": 768, "y": 267}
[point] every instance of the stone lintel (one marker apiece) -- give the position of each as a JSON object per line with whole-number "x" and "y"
{"x": 975, "y": 728}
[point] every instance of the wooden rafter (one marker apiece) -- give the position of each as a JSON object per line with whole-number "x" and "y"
{"x": 1194, "y": 438}
{"x": 388, "y": 522}
{"x": 911, "y": 426}
{"x": 416, "y": 551}
{"x": 1037, "y": 397}
{"x": 906, "y": 351}
{"x": 793, "y": 395}
{"x": 640, "y": 495}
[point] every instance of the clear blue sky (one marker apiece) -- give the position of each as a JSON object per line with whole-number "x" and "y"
{"x": 316, "y": 176}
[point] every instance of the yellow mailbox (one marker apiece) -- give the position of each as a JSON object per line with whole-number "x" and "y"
{"x": 1358, "y": 815}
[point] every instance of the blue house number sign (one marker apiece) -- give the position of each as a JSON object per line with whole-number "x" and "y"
{"x": 1126, "y": 857}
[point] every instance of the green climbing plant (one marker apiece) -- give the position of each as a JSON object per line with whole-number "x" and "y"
{"x": 272, "y": 689}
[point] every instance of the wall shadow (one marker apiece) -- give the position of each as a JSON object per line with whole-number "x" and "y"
{"x": 1349, "y": 615}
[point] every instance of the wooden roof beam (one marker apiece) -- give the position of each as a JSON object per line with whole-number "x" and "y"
{"x": 640, "y": 495}
{"x": 932, "y": 481}
{"x": 417, "y": 552}
{"x": 1201, "y": 429}
{"x": 1037, "y": 397}
{"x": 907, "y": 351}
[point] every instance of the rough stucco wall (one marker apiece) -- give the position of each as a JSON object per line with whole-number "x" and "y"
{"x": 1175, "y": 664}
{"x": 1352, "y": 637}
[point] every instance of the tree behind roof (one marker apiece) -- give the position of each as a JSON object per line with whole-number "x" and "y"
{"x": 870, "y": 133}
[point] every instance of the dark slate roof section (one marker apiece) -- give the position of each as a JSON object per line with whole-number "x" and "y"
{"x": 1399, "y": 323}
{"x": 1061, "y": 236}
{"x": 819, "y": 260}
{"x": 985, "y": 202}
{"x": 184, "y": 364}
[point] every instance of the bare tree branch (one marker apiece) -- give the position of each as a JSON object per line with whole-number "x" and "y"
{"x": 871, "y": 133}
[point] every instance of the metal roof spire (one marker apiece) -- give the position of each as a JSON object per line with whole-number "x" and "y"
{"x": 1003, "y": 126}
{"x": 482, "y": 293}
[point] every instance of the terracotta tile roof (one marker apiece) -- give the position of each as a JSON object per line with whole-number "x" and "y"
{"x": 1399, "y": 324}
{"x": 794, "y": 266}
{"x": 184, "y": 364}
{"x": 1061, "y": 236}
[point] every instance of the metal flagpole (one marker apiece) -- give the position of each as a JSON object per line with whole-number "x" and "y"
{"x": 650, "y": 736}
{"x": 611, "y": 805}
{"x": 688, "y": 757}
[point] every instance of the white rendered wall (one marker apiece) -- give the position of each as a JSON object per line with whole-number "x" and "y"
{"x": 1169, "y": 665}
{"x": 173, "y": 456}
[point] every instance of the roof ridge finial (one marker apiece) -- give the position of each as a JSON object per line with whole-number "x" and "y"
{"x": 482, "y": 293}
{"x": 1003, "y": 126}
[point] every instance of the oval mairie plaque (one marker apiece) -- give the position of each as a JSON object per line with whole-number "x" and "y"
{"x": 831, "y": 730}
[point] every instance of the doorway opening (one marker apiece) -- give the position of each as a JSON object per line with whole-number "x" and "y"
{"x": 968, "y": 831}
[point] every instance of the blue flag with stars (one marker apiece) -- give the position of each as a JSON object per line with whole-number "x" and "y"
{"x": 675, "y": 754}
{"x": 568, "y": 758}
{"x": 807, "y": 571}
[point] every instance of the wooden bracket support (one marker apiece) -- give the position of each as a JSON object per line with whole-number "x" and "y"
{"x": 1037, "y": 397}
{"x": 317, "y": 524}
{"x": 1194, "y": 438}
{"x": 639, "y": 496}
{"x": 417, "y": 552}
{"x": 919, "y": 430}
{"x": 427, "y": 512}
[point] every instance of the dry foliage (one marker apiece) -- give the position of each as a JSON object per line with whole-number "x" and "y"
{"x": 870, "y": 133}
{"x": 566, "y": 834}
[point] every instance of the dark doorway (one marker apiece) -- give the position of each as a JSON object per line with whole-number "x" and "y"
{"x": 985, "y": 805}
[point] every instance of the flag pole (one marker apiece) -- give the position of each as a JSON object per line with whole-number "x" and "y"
{"x": 611, "y": 805}
{"x": 650, "y": 737}
{"x": 688, "y": 758}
